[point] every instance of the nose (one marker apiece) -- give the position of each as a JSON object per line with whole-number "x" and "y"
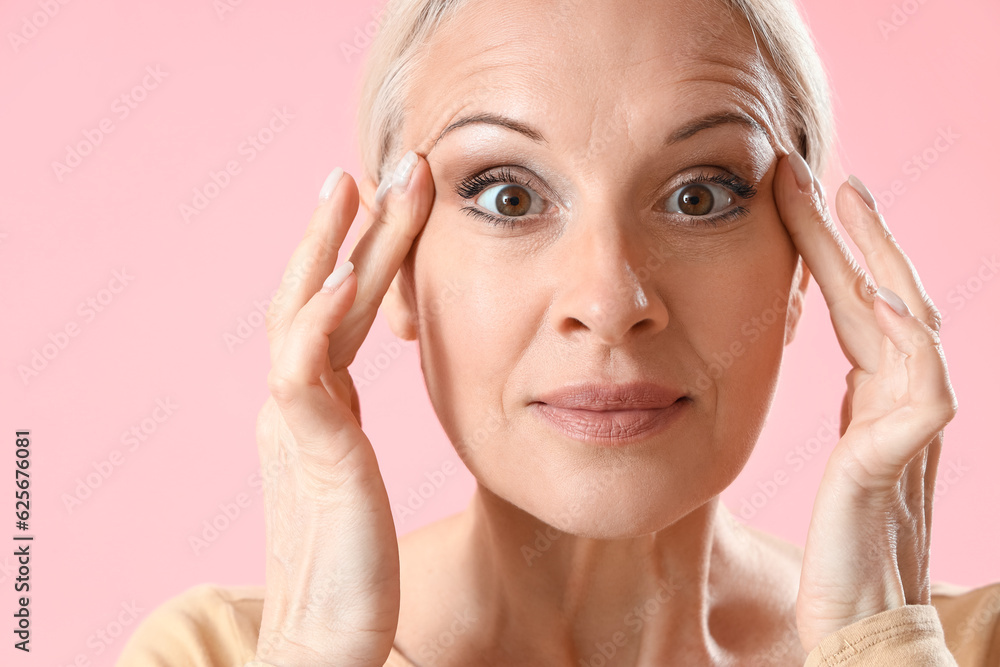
{"x": 605, "y": 288}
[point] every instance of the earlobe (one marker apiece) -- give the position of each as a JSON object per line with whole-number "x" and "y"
{"x": 796, "y": 300}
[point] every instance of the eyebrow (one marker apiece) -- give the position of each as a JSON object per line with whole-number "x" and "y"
{"x": 680, "y": 134}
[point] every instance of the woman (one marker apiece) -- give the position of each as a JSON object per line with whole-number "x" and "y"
{"x": 605, "y": 209}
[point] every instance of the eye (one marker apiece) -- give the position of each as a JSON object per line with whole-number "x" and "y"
{"x": 505, "y": 197}
{"x": 699, "y": 199}
{"x": 706, "y": 199}
{"x": 510, "y": 200}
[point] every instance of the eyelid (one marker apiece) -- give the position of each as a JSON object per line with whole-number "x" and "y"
{"x": 736, "y": 188}
{"x": 729, "y": 181}
{"x": 472, "y": 186}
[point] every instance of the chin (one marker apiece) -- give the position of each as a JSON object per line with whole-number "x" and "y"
{"x": 625, "y": 511}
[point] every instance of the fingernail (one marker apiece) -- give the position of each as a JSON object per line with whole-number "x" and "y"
{"x": 893, "y": 300}
{"x": 863, "y": 191}
{"x": 330, "y": 184}
{"x": 803, "y": 174}
{"x": 337, "y": 278}
{"x": 383, "y": 189}
{"x": 398, "y": 179}
{"x": 403, "y": 170}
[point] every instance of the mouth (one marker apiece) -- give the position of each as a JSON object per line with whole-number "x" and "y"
{"x": 611, "y": 415}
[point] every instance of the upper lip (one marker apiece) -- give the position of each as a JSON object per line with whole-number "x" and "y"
{"x": 629, "y": 396}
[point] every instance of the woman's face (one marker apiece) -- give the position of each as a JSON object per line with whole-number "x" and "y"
{"x": 610, "y": 241}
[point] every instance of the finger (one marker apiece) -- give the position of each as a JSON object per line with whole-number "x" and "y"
{"x": 925, "y": 407}
{"x": 930, "y": 477}
{"x": 852, "y": 379}
{"x": 846, "y": 287}
{"x": 928, "y": 386}
{"x": 886, "y": 261}
{"x": 380, "y": 251}
{"x": 315, "y": 256}
{"x": 913, "y": 535}
{"x": 311, "y": 412}
{"x": 845, "y": 410}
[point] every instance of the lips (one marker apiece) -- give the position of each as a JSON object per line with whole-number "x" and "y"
{"x": 602, "y": 397}
{"x": 611, "y": 415}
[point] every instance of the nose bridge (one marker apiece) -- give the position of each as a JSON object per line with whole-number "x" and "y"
{"x": 599, "y": 290}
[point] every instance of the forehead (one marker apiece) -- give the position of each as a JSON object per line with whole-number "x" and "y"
{"x": 627, "y": 63}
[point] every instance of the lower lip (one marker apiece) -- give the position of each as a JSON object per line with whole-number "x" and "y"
{"x": 613, "y": 428}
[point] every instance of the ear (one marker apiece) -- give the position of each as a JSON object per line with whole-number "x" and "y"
{"x": 399, "y": 303}
{"x": 796, "y": 299}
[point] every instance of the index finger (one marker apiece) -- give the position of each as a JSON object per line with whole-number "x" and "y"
{"x": 887, "y": 262}
{"x": 314, "y": 257}
{"x": 380, "y": 250}
{"x": 846, "y": 286}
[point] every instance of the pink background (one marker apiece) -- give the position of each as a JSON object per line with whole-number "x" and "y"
{"x": 162, "y": 335}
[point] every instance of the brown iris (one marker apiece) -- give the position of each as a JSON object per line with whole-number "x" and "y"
{"x": 513, "y": 200}
{"x": 695, "y": 200}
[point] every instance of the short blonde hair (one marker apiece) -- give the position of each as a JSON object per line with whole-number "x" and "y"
{"x": 406, "y": 25}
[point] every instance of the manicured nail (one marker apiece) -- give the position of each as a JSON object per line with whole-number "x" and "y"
{"x": 893, "y": 300}
{"x": 330, "y": 184}
{"x": 403, "y": 170}
{"x": 803, "y": 174}
{"x": 338, "y": 277}
{"x": 863, "y": 191}
{"x": 383, "y": 189}
{"x": 398, "y": 179}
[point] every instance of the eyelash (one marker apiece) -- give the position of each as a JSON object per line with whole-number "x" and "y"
{"x": 474, "y": 185}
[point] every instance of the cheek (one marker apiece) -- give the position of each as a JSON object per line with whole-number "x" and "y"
{"x": 735, "y": 317}
{"x": 474, "y": 311}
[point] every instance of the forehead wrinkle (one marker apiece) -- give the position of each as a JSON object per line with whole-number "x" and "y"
{"x": 753, "y": 80}
{"x": 751, "y": 103}
{"x": 758, "y": 90}
{"x": 476, "y": 93}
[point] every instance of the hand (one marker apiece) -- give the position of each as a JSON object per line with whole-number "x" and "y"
{"x": 867, "y": 550}
{"x": 332, "y": 566}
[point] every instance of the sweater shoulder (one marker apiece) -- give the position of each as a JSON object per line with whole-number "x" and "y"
{"x": 205, "y": 625}
{"x": 970, "y": 618}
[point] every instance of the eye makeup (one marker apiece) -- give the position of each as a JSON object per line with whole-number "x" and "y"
{"x": 470, "y": 187}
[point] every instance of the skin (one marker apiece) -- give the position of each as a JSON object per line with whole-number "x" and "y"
{"x": 581, "y": 313}
{"x": 562, "y": 541}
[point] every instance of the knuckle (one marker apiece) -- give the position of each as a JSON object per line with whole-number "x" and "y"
{"x": 274, "y": 320}
{"x": 933, "y": 316}
{"x": 938, "y": 415}
{"x": 949, "y": 408}
{"x": 283, "y": 388}
{"x": 861, "y": 284}
{"x": 320, "y": 250}
{"x": 926, "y": 338}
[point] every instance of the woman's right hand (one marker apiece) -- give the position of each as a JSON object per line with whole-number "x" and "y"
{"x": 332, "y": 568}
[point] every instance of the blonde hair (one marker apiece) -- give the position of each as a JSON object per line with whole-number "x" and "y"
{"x": 407, "y": 25}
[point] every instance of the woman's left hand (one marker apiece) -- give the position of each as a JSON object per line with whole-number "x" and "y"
{"x": 867, "y": 550}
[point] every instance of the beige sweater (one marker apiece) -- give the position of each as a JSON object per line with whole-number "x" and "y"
{"x": 217, "y": 626}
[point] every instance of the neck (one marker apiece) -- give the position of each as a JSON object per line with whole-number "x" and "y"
{"x": 541, "y": 592}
